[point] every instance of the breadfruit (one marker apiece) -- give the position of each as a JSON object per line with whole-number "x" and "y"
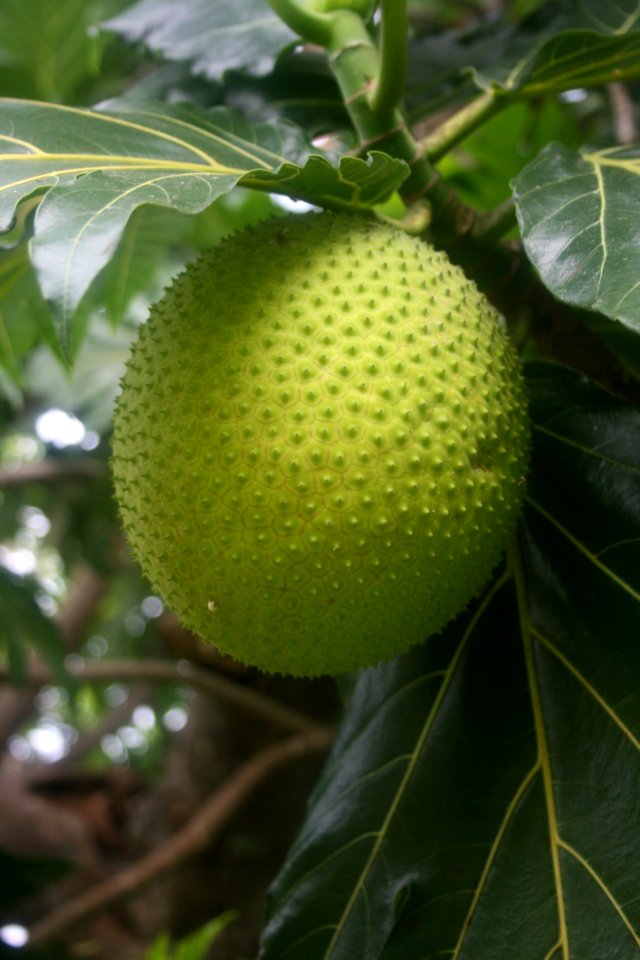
{"x": 320, "y": 443}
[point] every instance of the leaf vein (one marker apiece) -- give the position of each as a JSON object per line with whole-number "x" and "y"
{"x": 420, "y": 743}
{"x": 583, "y": 549}
{"x": 591, "y": 690}
{"x": 603, "y": 887}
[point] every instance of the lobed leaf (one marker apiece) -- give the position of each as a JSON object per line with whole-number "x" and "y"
{"x": 578, "y": 58}
{"x": 213, "y": 37}
{"x": 562, "y": 46}
{"x": 481, "y": 798}
{"x": 100, "y": 166}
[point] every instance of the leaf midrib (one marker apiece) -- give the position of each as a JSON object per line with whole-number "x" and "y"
{"x": 415, "y": 756}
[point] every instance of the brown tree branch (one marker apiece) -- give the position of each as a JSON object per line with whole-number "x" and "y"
{"x": 624, "y": 113}
{"x": 167, "y": 671}
{"x": 87, "y": 589}
{"x": 194, "y": 837}
{"x": 49, "y": 471}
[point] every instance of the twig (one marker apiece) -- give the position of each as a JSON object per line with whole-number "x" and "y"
{"x": 93, "y": 737}
{"x": 198, "y": 833}
{"x": 168, "y": 671}
{"x": 462, "y": 123}
{"x": 624, "y": 113}
{"x": 49, "y": 471}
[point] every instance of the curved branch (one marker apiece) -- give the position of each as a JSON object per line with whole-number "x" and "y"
{"x": 167, "y": 671}
{"x": 461, "y": 124}
{"x": 195, "y": 836}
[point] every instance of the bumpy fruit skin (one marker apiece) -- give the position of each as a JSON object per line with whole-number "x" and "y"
{"x": 320, "y": 444}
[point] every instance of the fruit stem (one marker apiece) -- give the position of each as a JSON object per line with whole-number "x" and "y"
{"x": 310, "y": 25}
{"x": 371, "y": 94}
{"x": 389, "y": 89}
{"x": 357, "y": 67}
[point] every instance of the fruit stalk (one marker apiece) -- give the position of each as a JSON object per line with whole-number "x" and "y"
{"x": 371, "y": 81}
{"x": 389, "y": 89}
{"x": 363, "y": 74}
{"x": 311, "y": 25}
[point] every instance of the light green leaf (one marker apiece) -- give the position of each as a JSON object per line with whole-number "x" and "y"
{"x": 193, "y": 947}
{"x": 48, "y": 50}
{"x": 101, "y": 166}
{"x": 24, "y": 315}
{"x": 579, "y": 215}
{"x": 213, "y": 37}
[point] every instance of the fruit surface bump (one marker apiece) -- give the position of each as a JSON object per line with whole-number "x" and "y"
{"x": 320, "y": 443}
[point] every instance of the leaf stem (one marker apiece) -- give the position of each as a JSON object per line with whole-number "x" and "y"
{"x": 389, "y": 89}
{"x": 461, "y": 124}
{"x": 310, "y": 25}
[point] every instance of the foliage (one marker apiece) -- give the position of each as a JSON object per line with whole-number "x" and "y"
{"x": 480, "y": 800}
{"x": 194, "y": 947}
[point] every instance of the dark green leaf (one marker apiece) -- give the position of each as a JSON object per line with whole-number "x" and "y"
{"x": 438, "y": 76}
{"x": 579, "y": 215}
{"x": 481, "y": 799}
{"x": 301, "y": 87}
{"x": 561, "y": 47}
{"x": 565, "y": 46}
{"x": 605, "y": 18}
{"x": 213, "y": 37}
{"x": 579, "y": 58}
{"x": 100, "y": 167}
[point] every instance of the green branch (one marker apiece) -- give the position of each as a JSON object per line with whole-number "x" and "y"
{"x": 461, "y": 124}
{"x": 371, "y": 82}
{"x": 310, "y": 25}
{"x": 389, "y": 89}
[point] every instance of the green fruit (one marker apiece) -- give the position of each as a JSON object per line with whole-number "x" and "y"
{"x": 320, "y": 444}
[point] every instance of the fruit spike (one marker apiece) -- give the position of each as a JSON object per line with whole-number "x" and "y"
{"x": 320, "y": 444}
